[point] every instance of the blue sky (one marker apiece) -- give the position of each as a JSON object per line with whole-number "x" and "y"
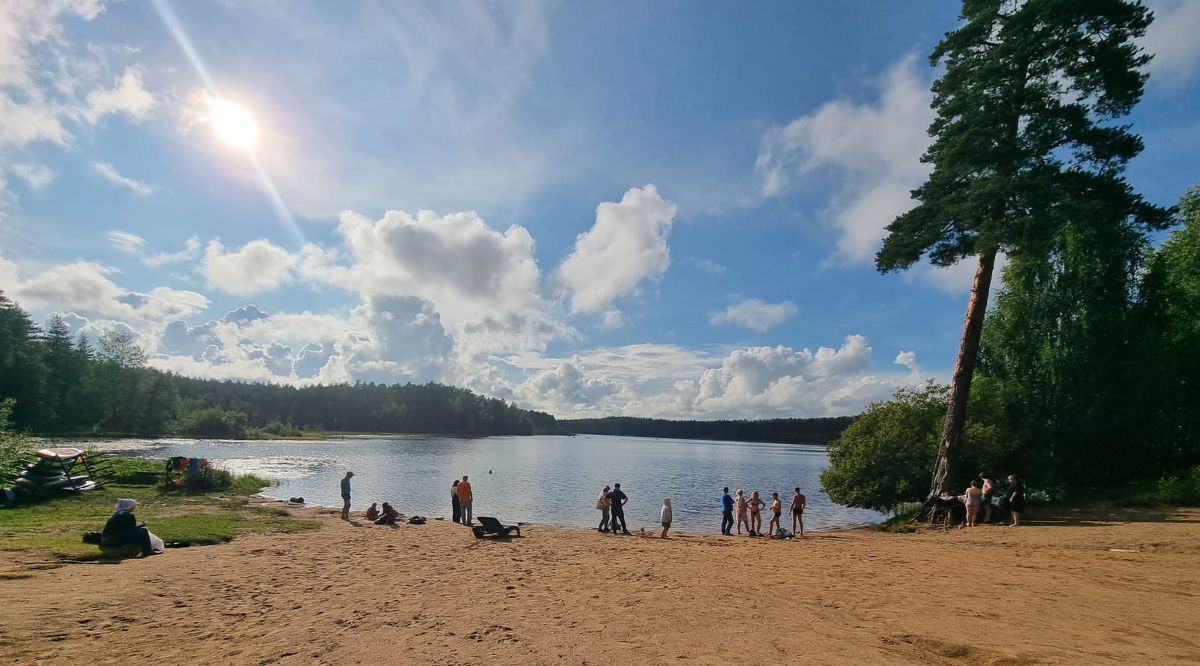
{"x": 654, "y": 209}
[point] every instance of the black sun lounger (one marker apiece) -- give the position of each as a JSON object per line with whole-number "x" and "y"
{"x": 489, "y": 525}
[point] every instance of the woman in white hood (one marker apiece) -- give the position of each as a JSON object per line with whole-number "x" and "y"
{"x": 123, "y": 529}
{"x": 666, "y": 516}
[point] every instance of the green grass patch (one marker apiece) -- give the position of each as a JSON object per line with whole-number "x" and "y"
{"x": 54, "y": 527}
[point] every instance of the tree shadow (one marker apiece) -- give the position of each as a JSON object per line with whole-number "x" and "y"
{"x": 1100, "y": 515}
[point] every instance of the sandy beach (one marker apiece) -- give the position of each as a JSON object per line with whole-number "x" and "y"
{"x": 1123, "y": 589}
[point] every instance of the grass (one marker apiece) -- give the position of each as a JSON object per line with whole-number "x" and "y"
{"x": 54, "y": 527}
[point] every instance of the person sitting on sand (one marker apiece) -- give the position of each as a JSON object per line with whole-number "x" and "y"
{"x": 388, "y": 516}
{"x": 756, "y": 507}
{"x": 776, "y": 512}
{"x": 989, "y": 490}
{"x": 616, "y": 508}
{"x": 455, "y": 505}
{"x": 666, "y": 515}
{"x": 1016, "y": 499}
{"x": 973, "y": 499}
{"x": 602, "y": 505}
{"x": 346, "y": 495}
{"x": 122, "y": 529}
{"x": 372, "y": 512}
{"x": 464, "y": 499}
{"x": 799, "y": 503}
{"x": 743, "y": 515}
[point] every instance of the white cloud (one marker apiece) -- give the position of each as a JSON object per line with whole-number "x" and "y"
{"x": 35, "y": 176}
{"x": 755, "y": 314}
{"x": 709, "y": 266}
{"x": 136, "y": 246}
{"x": 257, "y": 266}
{"x": 873, "y": 150}
{"x": 110, "y": 173}
{"x": 127, "y": 95}
{"x": 1172, "y": 38}
{"x": 626, "y": 245}
{"x": 908, "y": 359}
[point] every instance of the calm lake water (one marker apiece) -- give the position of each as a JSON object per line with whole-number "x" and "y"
{"x": 540, "y": 479}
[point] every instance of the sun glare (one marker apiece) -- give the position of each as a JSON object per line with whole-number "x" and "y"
{"x": 233, "y": 123}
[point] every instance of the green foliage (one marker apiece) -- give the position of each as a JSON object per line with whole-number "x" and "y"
{"x": 883, "y": 458}
{"x": 214, "y": 422}
{"x": 1023, "y": 128}
{"x": 214, "y": 479}
{"x": 13, "y": 445}
{"x": 801, "y": 431}
{"x": 1182, "y": 489}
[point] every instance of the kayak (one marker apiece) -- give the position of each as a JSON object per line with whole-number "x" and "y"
{"x": 63, "y": 455}
{"x": 86, "y": 485}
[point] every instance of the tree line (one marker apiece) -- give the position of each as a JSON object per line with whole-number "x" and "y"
{"x": 792, "y": 431}
{"x": 1085, "y": 375}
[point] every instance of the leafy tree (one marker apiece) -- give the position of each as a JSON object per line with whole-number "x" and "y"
{"x": 119, "y": 347}
{"x": 1022, "y": 136}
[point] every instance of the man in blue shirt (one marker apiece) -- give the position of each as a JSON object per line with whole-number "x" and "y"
{"x": 346, "y": 495}
{"x": 726, "y": 512}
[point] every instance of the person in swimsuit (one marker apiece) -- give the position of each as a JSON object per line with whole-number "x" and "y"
{"x": 602, "y": 505}
{"x": 742, "y": 512}
{"x": 756, "y": 507}
{"x": 989, "y": 490}
{"x": 776, "y": 512}
{"x": 1016, "y": 499}
{"x": 973, "y": 499}
{"x": 666, "y": 516}
{"x": 799, "y": 503}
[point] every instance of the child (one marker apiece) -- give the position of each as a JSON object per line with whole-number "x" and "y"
{"x": 388, "y": 516}
{"x": 666, "y": 515}
{"x": 973, "y": 499}
{"x": 372, "y": 512}
{"x": 776, "y": 512}
{"x": 743, "y": 516}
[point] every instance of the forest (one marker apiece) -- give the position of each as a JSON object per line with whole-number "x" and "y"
{"x": 792, "y": 431}
{"x": 1083, "y": 376}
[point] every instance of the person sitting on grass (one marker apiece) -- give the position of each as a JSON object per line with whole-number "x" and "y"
{"x": 388, "y": 516}
{"x": 122, "y": 529}
{"x": 372, "y": 512}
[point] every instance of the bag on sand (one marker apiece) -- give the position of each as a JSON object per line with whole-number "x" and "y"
{"x": 781, "y": 533}
{"x": 156, "y": 544}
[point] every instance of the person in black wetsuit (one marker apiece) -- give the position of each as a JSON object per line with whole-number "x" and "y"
{"x": 616, "y": 507}
{"x": 122, "y": 528}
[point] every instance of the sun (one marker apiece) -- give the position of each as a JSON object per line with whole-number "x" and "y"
{"x": 232, "y": 122}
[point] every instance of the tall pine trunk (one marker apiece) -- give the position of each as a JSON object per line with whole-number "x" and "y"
{"x": 946, "y": 467}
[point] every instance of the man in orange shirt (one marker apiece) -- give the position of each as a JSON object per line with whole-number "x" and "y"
{"x": 464, "y": 499}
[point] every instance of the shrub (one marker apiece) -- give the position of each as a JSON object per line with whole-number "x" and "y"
{"x": 1182, "y": 489}
{"x": 14, "y": 446}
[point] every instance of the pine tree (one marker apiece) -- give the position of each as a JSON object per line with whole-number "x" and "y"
{"x": 1023, "y": 128}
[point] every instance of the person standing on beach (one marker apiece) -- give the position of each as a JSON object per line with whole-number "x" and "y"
{"x": 1016, "y": 499}
{"x": 455, "y": 505}
{"x": 666, "y": 516}
{"x": 602, "y": 505}
{"x": 989, "y": 490}
{"x": 799, "y": 503}
{"x": 616, "y": 508}
{"x": 776, "y": 512}
{"x": 346, "y": 495}
{"x": 726, "y": 512}
{"x": 756, "y": 507}
{"x": 464, "y": 500}
{"x": 972, "y": 498}
{"x": 743, "y": 514}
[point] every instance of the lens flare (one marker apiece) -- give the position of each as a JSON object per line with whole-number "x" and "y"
{"x": 233, "y": 123}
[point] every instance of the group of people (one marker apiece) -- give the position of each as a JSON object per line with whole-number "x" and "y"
{"x": 749, "y": 512}
{"x": 611, "y": 504}
{"x": 461, "y": 499}
{"x": 982, "y": 493}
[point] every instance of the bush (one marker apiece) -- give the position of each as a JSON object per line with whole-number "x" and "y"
{"x": 14, "y": 446}
{"x": 1182, "y": 489}
{"x": 214, "y": 422}
{"x": 210, "y": 479}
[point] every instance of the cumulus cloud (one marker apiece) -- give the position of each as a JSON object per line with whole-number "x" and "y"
{"x": 127, "y": 95}
{"x": 908, "y": 359}
{"x": 109, "y": 172}
{"x": 755, "y": 314}
{"x": 1172, "y": 40}
{"x": 872, "y": 148}
{"x": 257, "y": 266}
{"x": 626, "y": 246}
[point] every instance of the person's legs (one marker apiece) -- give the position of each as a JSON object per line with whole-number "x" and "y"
{"x": 603, "y": 520}
{"x": 619, "y": 515}
{"x": 345, "y": 507}
{"x": 456, "y": 510}
{"x": 774, "y": 524}
{"x": 466, "y": 513}
{"x": 143, "y": 540}
{"x": 726, "y": 522}
{"x": 800, "y": 517}
{"x": 1016, "y": 516}
{"x": 666, "y": 526}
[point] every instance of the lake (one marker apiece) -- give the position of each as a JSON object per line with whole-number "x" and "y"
{"x": 540, "y": 479}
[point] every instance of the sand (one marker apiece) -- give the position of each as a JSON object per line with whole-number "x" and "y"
{"x": 1123, "y": 590}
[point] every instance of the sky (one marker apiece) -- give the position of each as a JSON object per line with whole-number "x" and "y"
{"x": 662, "y": 209}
